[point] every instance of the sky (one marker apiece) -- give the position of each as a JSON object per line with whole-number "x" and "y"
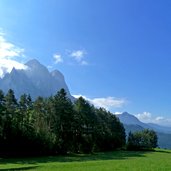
{"x": 115, "y": 53}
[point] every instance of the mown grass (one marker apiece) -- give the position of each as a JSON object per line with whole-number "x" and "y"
{"x": 159, "y": 160}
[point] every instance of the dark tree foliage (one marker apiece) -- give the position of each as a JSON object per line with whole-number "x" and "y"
{"x": 55, "y": 125}
{"x": 63, "y": 126}
{"x": 85, "y": 120}
{"x": 142, "y": 140}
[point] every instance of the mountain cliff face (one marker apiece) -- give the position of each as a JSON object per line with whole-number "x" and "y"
{"x": 131, "y": 123}
{"x": 36, "y": 80}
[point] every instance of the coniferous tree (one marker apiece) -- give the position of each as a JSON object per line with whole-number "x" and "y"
{"x": 2, "y": 119}
{"x": 109, "y": 131}
{"x": 86, "y": 125}
{"x": 10, "y": 102}
{"x": 2, "y": 108}
{"x": 10, "y": 122}
{"x": 64, "y": 115}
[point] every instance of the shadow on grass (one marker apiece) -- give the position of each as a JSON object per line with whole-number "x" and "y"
{"x": 20, "y": 168}
{"x": 163, "y": 151}
{"x": 115, "y": 155}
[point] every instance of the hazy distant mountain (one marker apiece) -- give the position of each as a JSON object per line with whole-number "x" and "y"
{"x": 131, "y": 123}
{"x": 129, "y": 119}
{"x": 36, "y": 80}
{"x": 160, "y": 128}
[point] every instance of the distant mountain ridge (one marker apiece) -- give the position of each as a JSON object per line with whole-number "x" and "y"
{"x": 131, "y": 123}
{"x": 129, "y": 119}
{"x": 36, "y": 80}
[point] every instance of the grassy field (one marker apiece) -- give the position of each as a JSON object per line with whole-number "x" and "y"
{"x": 160, "y": 160}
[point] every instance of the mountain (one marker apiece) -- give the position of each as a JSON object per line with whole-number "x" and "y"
{"x": 160, "y": 128}
{"x": 129, "y": 119}
{"x": 36, "y": 80}
{"x": 131, "y": 123}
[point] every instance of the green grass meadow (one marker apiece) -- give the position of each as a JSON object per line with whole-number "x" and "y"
{"x": 159, "y": 160}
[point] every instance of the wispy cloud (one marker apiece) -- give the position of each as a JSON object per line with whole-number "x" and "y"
{"x": 162, "y": 121}
{"x": 159, "y": 118}
{"x": 147, "y": 117}
{"x": 57, "y": 58}
{"x": 79, "y": 56}
{"x": 105, "y": 102}
{"x": 71, "y": 57}
{"x": 9, "y": 52}
{"x": 118, "y": 113}
{"x": 108, "y": 102}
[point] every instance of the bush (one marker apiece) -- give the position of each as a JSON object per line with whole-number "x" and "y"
{"x": 142, "y": 140}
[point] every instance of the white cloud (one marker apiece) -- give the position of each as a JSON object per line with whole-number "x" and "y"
{"x": 118, "y": 113}
{"x": 6, "y": 65}
{"x": 162, "y": 121}
{"x": 159, "y": 118}
{"x": 107, "y": 103}
{"x": 79, "y": 95}
{"x": 147, "y": 117}
{"x": 79, "y": 56}
{"x": 57, "y": 58}
{"x": 9, "y": 52}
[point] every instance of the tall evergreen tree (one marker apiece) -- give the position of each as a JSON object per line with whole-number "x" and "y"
{"x": 2, "y": 118}
{"x": 64, "y": 115}
{"x": 110, "y": 131}
{"x": 86, "y": 115}
{"x": 2, "y": 107}
{"x": 10, "y": 102}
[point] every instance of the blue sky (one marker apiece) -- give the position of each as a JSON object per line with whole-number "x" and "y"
{"x": 116, "y": 53}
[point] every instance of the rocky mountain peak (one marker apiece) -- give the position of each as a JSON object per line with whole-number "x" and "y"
{"x": 57, "y": 75}
{"x": 36, "y": 80}
{"x": 33, "y": 63}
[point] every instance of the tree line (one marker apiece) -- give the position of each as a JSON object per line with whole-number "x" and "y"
{"x": 55, "y": 125}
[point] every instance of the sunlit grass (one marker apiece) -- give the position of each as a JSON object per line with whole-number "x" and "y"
{"x": 160, "y": 160}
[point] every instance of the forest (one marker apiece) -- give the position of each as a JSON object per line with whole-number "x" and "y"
{"x": 55, "y": 125}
